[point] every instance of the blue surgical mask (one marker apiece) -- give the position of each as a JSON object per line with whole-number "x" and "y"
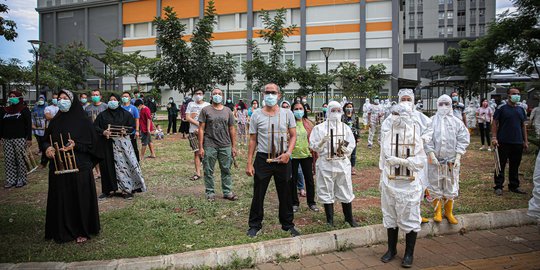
{"x": 64, "y": 105}
{"x": 455, "y": 98}
{"x": 113, "y": 104}
{"x": 298, "y": 114}
{"x": 270, "y": 100}
{"x": 217, "y": 99}
{"x": 125, "y": 99}
{"x": 41, "y": 102}
{"x": 14, "y": 100}
{"x": 84, "y": 100}
{"x": 515, "y": 98}
{"x": 55, "y": 101}
{"x": 324, "y": 109}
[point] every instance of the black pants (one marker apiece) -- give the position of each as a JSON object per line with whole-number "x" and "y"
{"x": 513, "y": 153}
{"x": 172, "y": 122}
{"x": 41, "y": 141}
{"x": 308, "y": 180}
{"x": 263, "y": 173}
{"x": 484, "y": 132}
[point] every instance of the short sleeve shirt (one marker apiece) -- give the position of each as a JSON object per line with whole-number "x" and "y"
{"x": 510, "y": 122}
{"x": 133, "y": 110}
{"x": 52, "y": 110}
{"x": 144, "y": 117}
{"x": 458, "y": 109}
{"x": 93, "y": 111}
{"x": 216, "y": 131}
{"x": 261, "y": 124}
{"x": 194, "y": 107}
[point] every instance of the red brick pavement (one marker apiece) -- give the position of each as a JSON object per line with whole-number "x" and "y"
{"x": 508, "y": 248}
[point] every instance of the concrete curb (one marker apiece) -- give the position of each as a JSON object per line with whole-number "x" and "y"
{"x": 288, "y": 247}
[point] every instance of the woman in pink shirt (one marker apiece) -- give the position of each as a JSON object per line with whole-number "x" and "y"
{"x": 484, "y": 114}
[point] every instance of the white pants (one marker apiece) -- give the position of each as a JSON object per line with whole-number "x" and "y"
{"x": 334, "y": 182}
{"x": 443, "y": 181}
{"x": 372, "y": 130}
{"x": 534, "y": 202}
{"x": 400, "y": 204}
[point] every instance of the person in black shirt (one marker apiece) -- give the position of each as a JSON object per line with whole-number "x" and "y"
{"x": 172, "y": 114}
{"x": 349, "y": 117}
{"x": 16, "y": 136}
{"x": 510, "y": 137}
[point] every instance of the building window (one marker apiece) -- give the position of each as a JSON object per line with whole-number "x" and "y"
{"x": 473, "y": 30}
{"x": 441, "y": 15}
{"x": 441, "y": 30}
{"x": 127, "y": 30}
{"x": 377, "y": 53}
{"x": 411, "y": 33}
{"x": 450, "y": 14}
{"x": 411, "y": 18}
{"x": 296, "y": 16}
{"x": 481, "y": 29}
{"x": 450, "y": 30}
{"x": 481, "y": 12}
{"x": 473, "y": 13}
{"x": 420, "y": 2}
{"x": 243, "y": 21}
{"x": 226, "y": 22}
{"x": 420, "y": 32}
{"x": 154, "y": 30}
{"x": 450, "y": 2}
{"x": 239, "y": 59}
{"x": 441, "y": 2}
{"x": 419, "y": 17}
{"x": 141, "y": 30}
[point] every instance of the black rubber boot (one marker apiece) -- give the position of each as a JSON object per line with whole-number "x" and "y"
{"x": 347, "y": 211}
{"x": 329, "y": 211}
{"x": 392, "y": 245}
{"x": 410, "y": 241}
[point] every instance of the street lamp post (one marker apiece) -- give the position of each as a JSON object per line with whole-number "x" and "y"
{"x": 327, "y": 51}
{"x": 34, "y": 42}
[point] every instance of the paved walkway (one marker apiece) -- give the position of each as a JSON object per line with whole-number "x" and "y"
{"x": 509, "y": 248}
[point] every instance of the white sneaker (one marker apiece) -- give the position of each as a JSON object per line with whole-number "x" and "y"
{"x": 489, "y": 149}
{"x": 483, "y": 148}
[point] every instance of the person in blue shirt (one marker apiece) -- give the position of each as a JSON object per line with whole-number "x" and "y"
{"x": 510, "y": 136}
{"x": 38, "y": 126}
{"x": 126, "y": 105}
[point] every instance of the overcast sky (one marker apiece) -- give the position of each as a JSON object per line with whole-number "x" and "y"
{"x": 24, "y": 14}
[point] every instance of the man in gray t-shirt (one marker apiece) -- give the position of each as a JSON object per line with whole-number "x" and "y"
{"x": 96, "y": 107}
{"x": 217, "y": 141}
{"x": 271, "y": 161}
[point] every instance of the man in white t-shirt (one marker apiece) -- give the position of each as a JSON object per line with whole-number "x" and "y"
{"x": 192, "y": 116}
{"x": 51, "y": 110}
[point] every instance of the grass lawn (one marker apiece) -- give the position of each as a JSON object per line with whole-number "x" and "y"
{"x": 173, "y": 216}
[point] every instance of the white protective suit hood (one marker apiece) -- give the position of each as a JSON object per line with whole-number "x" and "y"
{"x": 409, "y": 93}
{"x": 444, "y": 109}
{"x": 332, "y": 117}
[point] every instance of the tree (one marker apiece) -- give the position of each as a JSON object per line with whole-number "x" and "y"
{"x": 311, "y": 80}
{"x": 7, "y": 27}
{"x": 202, "y": 71}
{"x": 356, "y": 81}
{"x": 113, "y": 60}
{"x": 172, "y": 69}
{"x": 275, "y": 70}
{"x": 137, "y": 65}
{"x": 14, "y": 75}
{"x": 225, "y": 69}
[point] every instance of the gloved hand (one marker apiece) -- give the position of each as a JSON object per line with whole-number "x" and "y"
{"x": 457, "y": 161}
{"x": 324, "y": 140}
{"x": 433, "y": 159}
{"x": 345, "y": 150}
{"x": 395, "y": 161}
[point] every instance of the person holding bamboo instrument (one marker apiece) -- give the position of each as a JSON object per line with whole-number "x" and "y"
{"x": 72, "y": 208}
{"x": 334, "y": 141}
{"x": 272, "y": 136}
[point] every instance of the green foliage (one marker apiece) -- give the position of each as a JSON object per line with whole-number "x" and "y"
{"x": 188, "y": 68}
{"x": 356, "y": 81}
{"x": 113, "y": 59}
{"x": 136, "y": 65}
{"x": 274, "y": 70}
{"x": 7, "y": 27}
{"x": 311, "y": 80}
{"x": 14, "y": 75}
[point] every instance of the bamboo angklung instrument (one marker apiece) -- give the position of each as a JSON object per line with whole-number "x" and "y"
{"x": 52, "y": 145}
{"x": 396, "y": 171}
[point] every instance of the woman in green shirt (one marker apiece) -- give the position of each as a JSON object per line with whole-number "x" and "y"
{"x": 302, "y": 156}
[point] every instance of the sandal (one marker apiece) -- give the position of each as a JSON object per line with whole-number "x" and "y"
{"x": 81, "y": 240}
{"x": 231, "y": 197}
{"x": 210, "y": 197}
{"x": 195, "y": 177}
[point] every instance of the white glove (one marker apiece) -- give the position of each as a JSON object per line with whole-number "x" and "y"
{"x": 345, "y": 150}
{"x": 433, "y": 158}
{"x": 394, "y": 161}
{"x": 457, "y": 161}
{"x": 324, "y": 140}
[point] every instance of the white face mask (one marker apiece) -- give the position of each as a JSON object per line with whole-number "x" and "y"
{"x": 444, "y": 109}
{"x": 408, "y": 105}
{"x": 197, "y": 98}
{"x": 334, "y": 115}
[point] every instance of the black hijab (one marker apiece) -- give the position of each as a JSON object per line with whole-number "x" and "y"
{"x": 75, "y": 123}
{"x": 117, "y": 117}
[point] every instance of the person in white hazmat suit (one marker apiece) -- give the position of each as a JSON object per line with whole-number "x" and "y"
{"x": 534, "y": 202}
{"x": 401, "y": 161}
{"x": 365, "y": 111}
{"x": 375, "y": 117}
{"x": 406, "y": 98}
{"x": 333, "y": 175}
{"x": 470, "y": 113}
{"x": 450, "y": 141}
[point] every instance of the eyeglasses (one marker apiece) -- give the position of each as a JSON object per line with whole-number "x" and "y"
{"x": 270, "y": 92}
{"x": 285, "y": 107}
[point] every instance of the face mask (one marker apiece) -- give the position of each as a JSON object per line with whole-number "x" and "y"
{"x": 485, "y": 104}
{"x": 137, "y": 95}
{"x": 515, "y": 98}
{"x": 304, "y": 101}
{"x": 324, "y": 109}
{"x": 64, "y": 105}
{"x": 270, "y": 100}
{"x": 217, "y": 99}
{"x": 55, "y": 101}
{"x": 455, "y": 98}
{"x": 349, "y": 110}
{"x": 407, "y": 104}
{"x": 41, "y": 102}
{"x": 197, "y": 98}
{"x": 153, "y": 100}
{"x": 125, "y": 99}
{"x": 229, "y": 101}
{"x": 170, "y": 100}
{"x": 84, "y": 100}
{"x": 444, "y": 110}
{"x": 113, "y": 104}
{"x": 298, "y": 114}
{"x": 376, "y": 101}
{"x": 14, "y": 100}
{"x": 334, "y": 116}
{"x": 96, "y": 99}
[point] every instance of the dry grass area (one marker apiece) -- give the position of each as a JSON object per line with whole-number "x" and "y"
{"x": 173, "y": 216}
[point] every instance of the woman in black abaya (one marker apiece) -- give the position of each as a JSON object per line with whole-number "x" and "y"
{"x": 72, "y": 209}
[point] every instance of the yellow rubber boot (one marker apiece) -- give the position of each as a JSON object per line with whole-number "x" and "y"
{"x": 448, "y": 207}
{"x": 437, "y": 217}
{"x": 425, "y": 220}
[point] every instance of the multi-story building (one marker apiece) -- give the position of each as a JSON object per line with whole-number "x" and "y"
{"x": 361, "y": 31}
{"x": 431, "y": 27}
